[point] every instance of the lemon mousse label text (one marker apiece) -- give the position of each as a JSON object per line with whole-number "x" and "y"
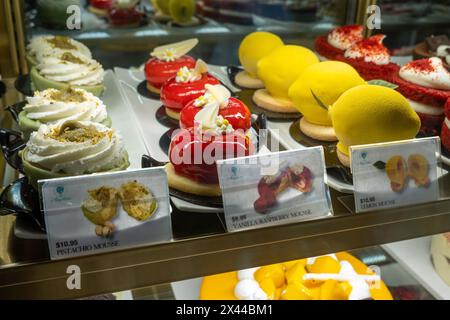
{"x": 274, "y": 188}
{"x": 395, "y": 174}
{"x": 108, "y": 211}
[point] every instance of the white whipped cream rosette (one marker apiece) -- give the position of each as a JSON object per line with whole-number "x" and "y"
{"x": 45, "y": 46}
{"x": 435, "y": 76}
{"x": 173, "y": 51}
{"x": 71, "y": 68}
{"x": 361, "y": 50}
{"x": 53, "y": 105}
{"x": 75, "y": 147}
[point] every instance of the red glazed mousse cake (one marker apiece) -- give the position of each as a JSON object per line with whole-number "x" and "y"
{"x": 445, "y": 133}
{"x": 194, "y": 151}
{"x": 235, "y": 112}
{"x": 99, "y": 7}
{"x": 166, "y": 61}
{"x": 370, "y": 58}
{"x": 426, "y": 84}
{"x": 124, "y": 13}
{"x": 187, "y": 85}
{"x": 338, "y": 40}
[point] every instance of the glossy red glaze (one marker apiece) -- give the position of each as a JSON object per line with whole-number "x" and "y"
{"x": 175, "y": 95}
{"x": 236, "y": 112}
{"x": 101, "y": 4}
{"x": 194, "y": 155}
{"x": 124, "y": 16}
{"x": 159, "y": 71}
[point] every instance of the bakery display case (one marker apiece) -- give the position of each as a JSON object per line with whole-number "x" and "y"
{"x": 116, "y": 91}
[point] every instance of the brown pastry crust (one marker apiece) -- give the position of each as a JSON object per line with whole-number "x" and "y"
{"x": 263, "y": 99}
{"x": 318, "y": 132}
{"x": 172, "y": 114}
{"x": 190, "y": 186}
{"x": 153, "y": 89}
{"x": 343, "y": 158}
{"x": 245, "y": 80}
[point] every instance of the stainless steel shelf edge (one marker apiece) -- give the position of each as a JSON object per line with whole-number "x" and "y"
{"x": 191, "y": 258}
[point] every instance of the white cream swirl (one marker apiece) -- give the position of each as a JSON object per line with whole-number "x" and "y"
{"x": 429, "y": 73}
{"x": 186, "y": 75}
{"x": 52, "y": 105}
{"x": 44, "y": 46}
{"x": 370, "y": 49}
{"x": 95, "y": 148}
{"x": 443, "y": 51}
{"x": 73, "y": 69}
{"x": 343, "y": 37}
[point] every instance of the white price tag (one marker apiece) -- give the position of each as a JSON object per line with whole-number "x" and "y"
{"x": 274, "y": 188}
{"x": 107, "y": 211}
{"x": 394, "y": 174}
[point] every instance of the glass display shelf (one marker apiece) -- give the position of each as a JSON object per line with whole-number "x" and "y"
{"x": 202, "y": 247}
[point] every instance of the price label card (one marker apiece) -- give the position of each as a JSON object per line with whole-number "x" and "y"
{"x": 107, "y": 211}
{"x": 395, "y": 174}
{"x": 274, "y": 188}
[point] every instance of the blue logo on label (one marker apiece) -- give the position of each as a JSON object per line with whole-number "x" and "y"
{"x": 60, "y": 190}
{"x": 364, "y": 155}
{"x": 234, "y": 173}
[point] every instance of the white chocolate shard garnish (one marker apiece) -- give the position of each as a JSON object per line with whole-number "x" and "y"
{"x": 208, "y": 117}
{"x": 171, "y": 52}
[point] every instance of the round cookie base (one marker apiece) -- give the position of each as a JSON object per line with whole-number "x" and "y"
{"x": 172, "y": 114}
{"x": 190, "y": 186}
{"x": 245, "y": 80}
{"x": 263, "y": 99}
{"x": 153, "y": 89}
{"x": 343, "y": 158}
{"x": 318, "y": 132}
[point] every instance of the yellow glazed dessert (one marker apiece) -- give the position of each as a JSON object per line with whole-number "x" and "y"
{"x": 327, "y": 81}
{"x": 371, "y": 114}
{"x": 255, "y": 46}
{"x": 279, "y": 70}
{"x": 332, "y": 277}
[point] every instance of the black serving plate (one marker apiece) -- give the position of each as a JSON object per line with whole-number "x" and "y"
{"x": 15, "y": 109}
{"x": 22, "y": 199}
{"x": 23, "y": 85}
{"x": 2, "y": 89}
{"x": 11, "y": 143}
{"x": 334, "y": 167}
{"x": 214, "y": 202}
{"x": 143, "y": 91}
{"x": 258, "y": 122}
{"x": 165, "y": 120}
{"x": 246, "y": 95}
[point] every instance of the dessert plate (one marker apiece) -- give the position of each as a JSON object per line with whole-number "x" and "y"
{"x": 23, "y": 85}
{"x": 11, "y": 143}
{"x": 143, "y": 91}
{"x": 21, "y": 199}
{"x": 164, "y": 119}
{"x": 215, "y": 202}
{"x": 332, "y": 163}
{"x": 15, "y": 109}
{"x": 246, "y": 95}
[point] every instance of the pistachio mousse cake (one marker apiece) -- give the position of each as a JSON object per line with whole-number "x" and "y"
{"x": 68, "y": 69}
{"x": 48, "y": 45}
{"x": 72, "y": 148}
{"x": 52, "y": 105}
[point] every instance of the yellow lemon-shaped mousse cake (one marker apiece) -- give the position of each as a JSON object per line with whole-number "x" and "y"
{"x": 255, "y": 46}
{"x": 371, "y": 114}
{"x": 279, "y": 70}
{"x": 321, "y": 83}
